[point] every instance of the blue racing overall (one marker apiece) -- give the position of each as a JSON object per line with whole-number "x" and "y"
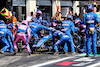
{"x": 91, "y": 33}
{"x": 63, "y": 38}
{"x": 6, "y": 38}
{"x": 67, "y": 27}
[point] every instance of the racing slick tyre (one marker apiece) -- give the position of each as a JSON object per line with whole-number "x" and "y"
{"x": 19, "y": 45}
{"x": 76, "y": 40}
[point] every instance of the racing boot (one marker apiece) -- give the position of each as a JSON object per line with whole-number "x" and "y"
{"x": 96, "y": 55}
{"x": 56, "y": 53}
{"x": 14, "y": 52}
{"x": 1, "y": 51}
{"x": 73, "y": 53}
{"x": 29, "y": 53}
{"x": 66, "y": 52}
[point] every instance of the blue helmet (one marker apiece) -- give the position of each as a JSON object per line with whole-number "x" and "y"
{"x": 14, "y": 13}
{"x": 1, "y": 21}
{"x": 54, "y": 20}
{"x": 77, "y": 20}
{"x": 89, "y": 7}
{"x": 70, "y": 16}
{"x": 81, "y": 22}
{"x": 44, "y": 22}
{"x": 10, "y": 26}
{"x": 39, "y": 11}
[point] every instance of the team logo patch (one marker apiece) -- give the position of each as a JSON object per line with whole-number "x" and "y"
{"x": 64, "y": 24}
{"x": 90, "y": 21}
{"x": 2, "y": 26}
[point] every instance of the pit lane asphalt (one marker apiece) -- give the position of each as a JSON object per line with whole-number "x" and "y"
{"x": 24, "y": 60}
